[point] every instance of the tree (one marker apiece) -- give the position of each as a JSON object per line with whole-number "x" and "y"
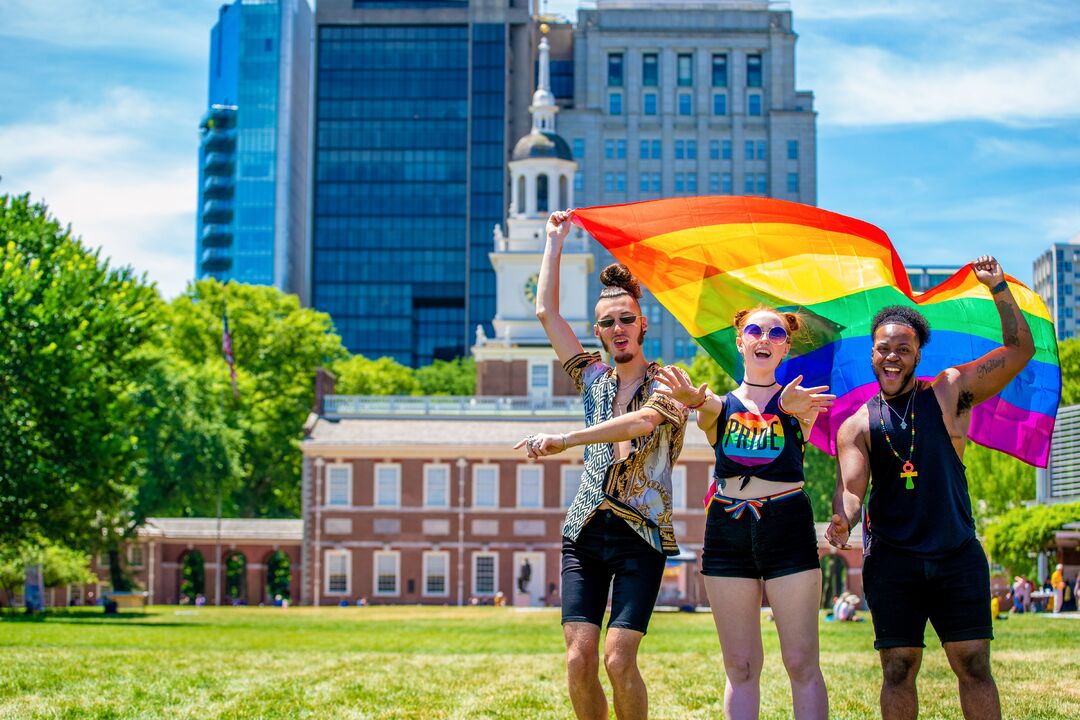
{"x": 69, "y": 329}
{"x": 997, "y": 482}
{"x": 1016, "y": 536}
{"x": 357, "y": 375}
{"x": 60, "y": 565}
{"x": 277, "y": 346}
{"x": 448, "y": 377}
{"x": 704, "y": 369}
{"x": 1069, "y": 357}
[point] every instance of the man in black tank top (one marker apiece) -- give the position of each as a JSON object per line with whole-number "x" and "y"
{"x": 906, "y": 444}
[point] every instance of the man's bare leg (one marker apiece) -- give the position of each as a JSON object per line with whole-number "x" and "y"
{"x": 899, "y": 697}
{"x": 620, "y": 661}
{"x": 970, "y": 660}
{"x": 583, "y": 670}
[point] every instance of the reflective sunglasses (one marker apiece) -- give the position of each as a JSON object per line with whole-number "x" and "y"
{"x": 777, "y": 334}
{"x": 623, "y": 320}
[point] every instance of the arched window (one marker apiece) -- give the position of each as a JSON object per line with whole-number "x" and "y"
{"x": 542, "y": 194}
{"x": 564, "y": 192}
{"x": 521, "y": 194}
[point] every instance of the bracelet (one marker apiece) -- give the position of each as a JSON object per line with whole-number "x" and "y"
{"x": 1000, "y": 287}
{"x": 695, "y": 407}
{"x": 780, "y": 404}
{"x": 564, "y": 443}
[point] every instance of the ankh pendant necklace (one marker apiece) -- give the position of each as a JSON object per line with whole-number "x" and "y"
{"x": 907, "y": 471}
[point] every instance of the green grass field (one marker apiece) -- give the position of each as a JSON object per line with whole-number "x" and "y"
{"x": 409, "y": 662}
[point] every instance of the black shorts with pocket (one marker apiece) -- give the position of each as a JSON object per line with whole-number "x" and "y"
{"x": 761, "y": 539}
{"x": 905, "y": 590}
{"x": 609, "y": 556}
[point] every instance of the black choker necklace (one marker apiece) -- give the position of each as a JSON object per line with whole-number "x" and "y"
{"x": 747, "y": 382}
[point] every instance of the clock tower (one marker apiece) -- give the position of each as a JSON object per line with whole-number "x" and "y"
{"x": 519, "y": 360}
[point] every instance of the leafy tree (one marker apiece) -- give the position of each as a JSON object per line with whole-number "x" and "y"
{"x": 60, "y": 565}
{"x": 448, "y": 377}
{"x": 69, "y": 329}
{"x": 1015, "y": 536}
{"x": 1069, "y": 356}
{"x": 704, "y": 369}
{"x": 192, "y": 575}
{"x": 357, "y": 375}
{"x": 278, "y": 574}
{"x": 997, "y": 482}
{"x": 277, "y": 346}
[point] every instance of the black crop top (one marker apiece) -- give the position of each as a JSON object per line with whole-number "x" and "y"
{"x": 769, "y": 446}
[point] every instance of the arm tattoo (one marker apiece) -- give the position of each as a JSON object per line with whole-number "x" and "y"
{"x": 1009, "y": 327}
{"x": 989, "y": 366}
{"x": 964, "y": 403}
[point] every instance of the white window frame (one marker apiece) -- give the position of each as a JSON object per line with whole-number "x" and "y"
{"x": 494, "y": 574}
{"x": 425, "y": 574}
{"x": 475, "y": 486}
{"x": 132, "y": 549}
{"x": 347, "y": 467}
{"x": 375, "y": 485}
{"x": 540, "y": 390}
{"x": 522, "y": 470}
{"x": 396, "y": 555}
{"x": 436, "y": 466}
{"x": 567, "y": 502}
{"x": 678, "y": 477}
{"x": 347, "y": 554}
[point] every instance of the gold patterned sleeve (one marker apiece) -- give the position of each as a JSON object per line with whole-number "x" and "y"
{"x": 578, "y": 367}
{"x": 674, "y": 413}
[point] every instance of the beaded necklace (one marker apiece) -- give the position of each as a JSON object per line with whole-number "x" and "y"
{"x": 908, "y": 471}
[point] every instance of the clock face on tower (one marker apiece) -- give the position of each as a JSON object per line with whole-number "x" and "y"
{"x": 530, "y": 288}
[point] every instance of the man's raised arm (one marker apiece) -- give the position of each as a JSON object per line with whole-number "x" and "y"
{"x": 562, "y": 336}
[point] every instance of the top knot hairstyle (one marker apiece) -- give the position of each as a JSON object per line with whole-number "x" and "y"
{"x": 902, "y": 315}
{"x": 791, "y": 320}
{"x": 618, "y": 281}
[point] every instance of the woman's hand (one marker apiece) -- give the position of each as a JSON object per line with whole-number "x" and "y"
{"x": 805, "y": 403}
{"x": 677, "y": 386}
{"x": 542, "y": 444}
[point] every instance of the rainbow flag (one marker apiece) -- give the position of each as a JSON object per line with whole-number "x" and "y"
{"x": 704, "y": 258}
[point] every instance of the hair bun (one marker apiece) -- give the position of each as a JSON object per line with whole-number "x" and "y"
{"x": 618, "y": 275}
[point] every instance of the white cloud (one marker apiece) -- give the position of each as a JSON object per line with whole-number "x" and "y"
{"x": 1026, "y": 153}
{"x": 116, "y": 173}
{"x": 182, "y": 27}
{"x": 870, "y": 86}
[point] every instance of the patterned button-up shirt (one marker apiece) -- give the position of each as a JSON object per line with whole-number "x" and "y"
{"x": 638, "y": 487}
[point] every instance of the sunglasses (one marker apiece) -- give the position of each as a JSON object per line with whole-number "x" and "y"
{"x": 623, "y": 320}
{"x": 777, "y": 334}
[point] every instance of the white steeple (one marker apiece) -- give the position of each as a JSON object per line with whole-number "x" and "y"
{"x": 543, "y": 106}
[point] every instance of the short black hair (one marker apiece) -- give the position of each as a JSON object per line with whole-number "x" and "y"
{"x": 902, "y": 315}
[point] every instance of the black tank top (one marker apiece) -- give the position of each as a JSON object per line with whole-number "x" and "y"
{"x": 769, "y": 446}
{"x": 931, "y": 515}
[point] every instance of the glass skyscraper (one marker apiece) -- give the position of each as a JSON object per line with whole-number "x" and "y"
{"x": 253, "y": 158}
{"x": 410, "y": 148}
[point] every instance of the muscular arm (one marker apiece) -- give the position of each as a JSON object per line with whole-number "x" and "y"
{"x": 563, "y": 339}
{"x": 976, "y": 381}
{"x": 852, "y": 475}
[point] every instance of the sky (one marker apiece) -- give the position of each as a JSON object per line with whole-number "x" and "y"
{"x": 953, "y": 126}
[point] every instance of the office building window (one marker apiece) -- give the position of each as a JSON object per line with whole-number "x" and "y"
{"x": 339, "y": 485}
{"x": 691, "y": 149}
{"x": 761, "y": 150}
{"x": 656, "y": 183}
{"x": 753, "y": 71}
{"x": 714, "y": 149}
{"x": 686, "y": 104}
{"x": 437, "y": 486}
{"x": 719, "y": 70}
{"x": 719, "y": 104}
{"x": 680, "y": 182}
{"x": 485, "y": 486}
{"x": 571, "y": 481}
{"x": 609, "y": 149}
{"x": 691, "y": 182}
{"x": 643, "y": 182}
{"x": 579, "y": 182}
{"x": 685, "y": 68}
{"x": 387, "y": 569}
{"x": 620, "y": 149}
{"x": 714, "y": 183}
{"x": 436, "y": 566}
{"x": 656, "y": 148}
{"x": 609, "y": 182}
{"x": 726, "y": 185}
{"x": 792, "y": 149}
{"x": 725, "y": 150}
{"x": 338, "y": 572}
{"x": 579, "y": 148}
{"x": 793, "y": 182}
{"x": 678, "y": 488}
{"x": 762, "y": 184}
{"x": 387, "y": 486}
{"x": 650, "y": 69}
{"x": 615, "y": 104}
{"x": 753, "y": 104}
{"x": 530, "y": 486}
{"x": 748, "y": 150}
{"x": 748, "y": 184}
{"x": 643, "y": 150}
{"x": 680, "y": 149}
{"x": 615, "y": 69}
{"x": 620, "y": 182}
{"x": 485, "y": 573}
{"x": 648, "y": 104}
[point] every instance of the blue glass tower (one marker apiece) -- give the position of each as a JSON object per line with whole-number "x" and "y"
{"x": 411, "y": 120}
{"x": 252, "y": 208}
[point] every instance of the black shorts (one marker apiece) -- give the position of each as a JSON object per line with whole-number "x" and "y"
{"x": 904, "y": 591}
{"x": 609, "y": 555}
{"x": 743, "y": 540}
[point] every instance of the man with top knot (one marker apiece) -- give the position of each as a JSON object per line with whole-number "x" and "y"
{"x": 907, "y": 444}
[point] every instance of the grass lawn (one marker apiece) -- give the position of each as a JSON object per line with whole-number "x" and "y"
{"x": 409, "y": 662}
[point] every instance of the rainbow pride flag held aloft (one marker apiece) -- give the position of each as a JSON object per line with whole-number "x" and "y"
{"x": 705, "y": 258}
